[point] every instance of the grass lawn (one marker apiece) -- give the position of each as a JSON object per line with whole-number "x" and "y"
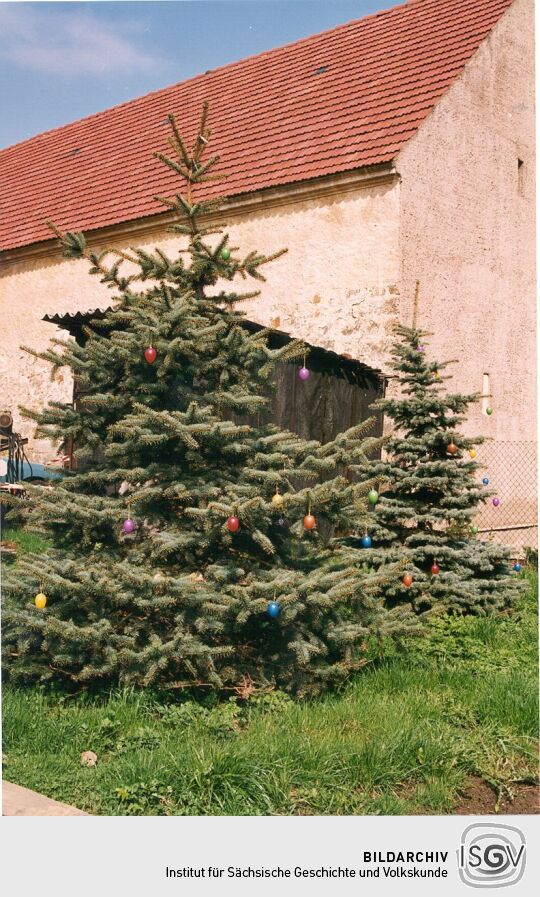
{"x": 26, "y": 541}
{"x": 406, "y": 736}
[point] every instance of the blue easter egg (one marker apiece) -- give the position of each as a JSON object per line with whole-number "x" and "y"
{"x": 273, "y": 609}
{"x": 366, "y": 541}
{"x": 485, "y": 481}
{"x": 517, "y": 567}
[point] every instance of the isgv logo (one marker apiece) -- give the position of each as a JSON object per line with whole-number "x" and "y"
{"x": 491, "y": 855}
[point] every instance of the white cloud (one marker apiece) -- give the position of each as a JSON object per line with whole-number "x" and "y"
{"x": 67, "y": 42}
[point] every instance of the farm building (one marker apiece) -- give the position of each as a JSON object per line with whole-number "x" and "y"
{"x": 393, "y": 156}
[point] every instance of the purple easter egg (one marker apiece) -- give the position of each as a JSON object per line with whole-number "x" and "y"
{"x": 128, "y": 525}
{"x": 496, "y": 502}
{"x": 421, "y": 349}
{"x": 303, "y": 373}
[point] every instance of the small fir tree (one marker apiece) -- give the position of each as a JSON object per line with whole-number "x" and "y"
{"x": 431, "y": 490}
{"x": 184, "y": 551}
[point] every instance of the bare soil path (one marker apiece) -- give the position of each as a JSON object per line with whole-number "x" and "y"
{"x": 18, "y": 801}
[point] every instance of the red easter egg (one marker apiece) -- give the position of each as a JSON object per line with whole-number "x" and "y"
{"x": 233, "y": 523}
{"x": 150, "y": 354}
{"x": 310, "y": 522}
{"x": 452, "y": 449}
{"x": 435, "y": 569}
{"x": 407, "y": 580}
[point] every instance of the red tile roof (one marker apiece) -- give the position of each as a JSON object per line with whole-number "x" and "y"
{"x": 344, "y": 99}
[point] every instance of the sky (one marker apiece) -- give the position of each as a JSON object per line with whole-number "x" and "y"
{"x": 63, "y": 61}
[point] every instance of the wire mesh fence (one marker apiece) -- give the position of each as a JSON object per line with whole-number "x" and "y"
{"x": 510, "y": 515}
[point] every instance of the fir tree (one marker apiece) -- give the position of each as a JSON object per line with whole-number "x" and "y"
{"x": 431, "y": 491}
{"x": 216, "y": 579}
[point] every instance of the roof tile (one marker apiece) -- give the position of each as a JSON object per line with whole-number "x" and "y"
{"x": 275, "y": 118}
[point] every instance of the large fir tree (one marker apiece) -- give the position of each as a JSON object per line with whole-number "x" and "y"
{"x": 184, "y": 548}
{"x": 431, "y": 491}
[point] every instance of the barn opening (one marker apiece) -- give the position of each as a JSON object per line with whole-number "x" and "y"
{"x": 338, "y": 394}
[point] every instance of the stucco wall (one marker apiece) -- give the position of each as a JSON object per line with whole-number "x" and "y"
{"x": 337, "y": 287}
{"x": 467, "y": 236}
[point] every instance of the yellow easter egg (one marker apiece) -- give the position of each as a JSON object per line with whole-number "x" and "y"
{"x": 472, "y": 453}
{"x": 277, "y": 500}
{"x": 40, "y": 600}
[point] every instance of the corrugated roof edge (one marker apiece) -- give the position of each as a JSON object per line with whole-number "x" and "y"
{"x": 351, "y": 368}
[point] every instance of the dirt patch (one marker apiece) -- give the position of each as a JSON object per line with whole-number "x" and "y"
{"x": 479, "y": 799}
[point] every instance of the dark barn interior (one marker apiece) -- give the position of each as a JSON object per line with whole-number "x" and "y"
{"x": 337, "y": 395}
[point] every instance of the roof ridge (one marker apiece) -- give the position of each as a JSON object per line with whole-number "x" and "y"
{"x": 346, "y": 98}
{"x": 220, "y": 68}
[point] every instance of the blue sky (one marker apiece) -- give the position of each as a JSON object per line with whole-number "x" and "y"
{"x": 62, "y": 61}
